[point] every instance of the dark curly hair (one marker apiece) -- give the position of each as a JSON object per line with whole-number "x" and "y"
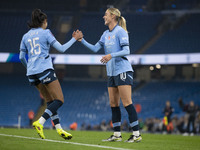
{"x": 37, "y": 18}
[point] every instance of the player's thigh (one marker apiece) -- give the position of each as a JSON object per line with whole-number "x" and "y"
{"x": 55, "y": 90}
{"x": 125, "y": 94}
{"x": 42, "y": 89}
{"x": 114, "y": 97}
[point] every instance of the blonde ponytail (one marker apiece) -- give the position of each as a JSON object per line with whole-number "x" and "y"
{"x": 122, "y": 23}
{"x": 121, "y": 20}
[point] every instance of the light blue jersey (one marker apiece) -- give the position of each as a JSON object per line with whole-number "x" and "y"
{"x": 116, "y": 43}
{"x": 113, "y": 41}
{"x": 37, "y": 42}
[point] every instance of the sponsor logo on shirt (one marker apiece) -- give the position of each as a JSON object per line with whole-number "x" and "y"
{"x": 108, "y": 37}
{"x": 124, "y": 38}
{"x": 110, "y": 43}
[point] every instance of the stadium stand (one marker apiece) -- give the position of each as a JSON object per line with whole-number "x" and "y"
{"x": 13, "y": 26}
{"x": 88, "y": 24}
{"x": 160, "y": 5}
{"x": 87, "y": 101}
{"x": 155, "y": 93}
{"x": 90, "y": 105}
{"x": 136, "y": 6}
{"x": 141, "y": 27}
{"x": 184, "y": 39}
{"x": 17, "y": 98}
{"x": 182, "y": 4}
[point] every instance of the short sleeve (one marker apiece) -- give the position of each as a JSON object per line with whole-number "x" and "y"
{"x": 22, "y": 45}
{"x": 50, "y": 37}
{"x": 102, "y": 39}
{"x": 123, "y": 38}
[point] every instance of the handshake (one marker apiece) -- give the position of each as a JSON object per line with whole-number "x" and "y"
{"x": 78, "y": 35}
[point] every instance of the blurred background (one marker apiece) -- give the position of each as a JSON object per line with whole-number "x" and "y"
{"x": 164, "y": 40}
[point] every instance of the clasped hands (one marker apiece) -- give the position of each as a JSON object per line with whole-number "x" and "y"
{"x": 78, "y": 35}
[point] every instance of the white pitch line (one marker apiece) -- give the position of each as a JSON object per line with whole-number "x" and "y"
{"x": 55, "y": 141}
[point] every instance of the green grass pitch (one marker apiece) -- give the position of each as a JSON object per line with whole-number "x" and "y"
{"x": 27, "y": 139}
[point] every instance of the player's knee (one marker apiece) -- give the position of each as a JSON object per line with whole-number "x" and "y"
{"x": 126, "y": 102}
{"x": 114, "y": 104}
{"x": 59, "y": 99}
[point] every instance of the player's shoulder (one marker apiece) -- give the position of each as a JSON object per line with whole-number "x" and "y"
{"x": 119, "y": 30}
{"x": 48, "y": 32}
{"x": 105, "y": 32}
{"x": 119, "y": 27}
{"x": 26, "y": 34}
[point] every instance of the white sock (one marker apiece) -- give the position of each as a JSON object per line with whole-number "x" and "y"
{"x": 136, "y": 133}
{"x": 117, "y": 134}
{"x": 42, "y": 120}
{"x": 58, "y": 126}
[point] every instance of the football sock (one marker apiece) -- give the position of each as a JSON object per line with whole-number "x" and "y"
{"x": 136, "y": 133}
{"x": 56, "y": 121}
{"x": 116, "y": 118}
{"x": 52, "y": 109}
{"x": 48, "y": 103}
{"x": 117, "y": 134}
{"x": 132, "y": 115}
{"x": 55, "y": 118}
{"x": 42, "y": 120}
{"x": 58, "y": 126}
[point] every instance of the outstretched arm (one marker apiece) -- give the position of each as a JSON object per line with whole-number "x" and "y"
{"x": 95, "y": 48}
{"x": 62, "y": 48}
{"x": 22, "y": 57}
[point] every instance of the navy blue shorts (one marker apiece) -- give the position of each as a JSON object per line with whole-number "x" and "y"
{"x": 125, "y": 78}
{"x": 45, "y": 77}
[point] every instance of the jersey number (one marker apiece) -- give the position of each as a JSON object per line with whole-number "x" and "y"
{"x": 35, "y": 47}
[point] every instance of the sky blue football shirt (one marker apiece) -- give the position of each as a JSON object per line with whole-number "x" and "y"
{"x": 37, "y": 43}
{"x": 113, "y": 41}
